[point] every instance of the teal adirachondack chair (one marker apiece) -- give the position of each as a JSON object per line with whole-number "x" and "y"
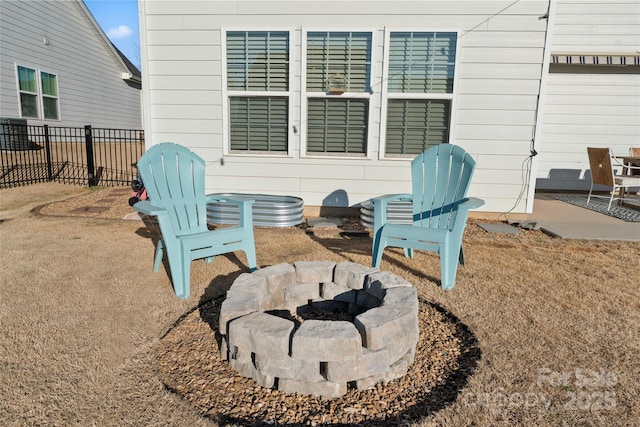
{"x": 440, "y": 179}
{"x": 174, "y": 179}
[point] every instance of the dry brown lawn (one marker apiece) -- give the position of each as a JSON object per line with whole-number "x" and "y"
{"x": 82, "y": 316}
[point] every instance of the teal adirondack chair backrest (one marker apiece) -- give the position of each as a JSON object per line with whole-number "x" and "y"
{"x": 440, "y": 179}
{"x": 174, "y": 178}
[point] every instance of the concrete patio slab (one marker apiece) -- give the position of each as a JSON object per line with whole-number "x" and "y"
{"x": 567, "y": 221}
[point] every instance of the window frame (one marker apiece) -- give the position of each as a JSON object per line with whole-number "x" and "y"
{"x": 47, "y": 96}
{"x": 305, "y": 95}
{"x": 39, "y": 94}
{"x": 386, "y": 95}
{"x": 227, "y": 94}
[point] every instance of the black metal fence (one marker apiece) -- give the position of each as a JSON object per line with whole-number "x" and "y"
{"x": 82, "y": 156}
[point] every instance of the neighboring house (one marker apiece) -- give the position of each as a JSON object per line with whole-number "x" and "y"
{"x": 329, "y": 101}
{"x": 592, "y": 91}
{"x": 57, "y": 67}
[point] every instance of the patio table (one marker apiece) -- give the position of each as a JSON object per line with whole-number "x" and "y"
{"x": 628, "y": 161}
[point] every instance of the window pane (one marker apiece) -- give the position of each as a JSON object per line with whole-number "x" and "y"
{"x": 337, "y": 125}
{"x": 50, "y": 108}
{"x": 29, "y": 105}
{"x": 27, "y": 80}
{"x": 49, "y": 84}
{"x": 415, "y": 125}
{"x": 258, "y": 60}
{"x": 344, "y": 55}
{"x": 259, "y": 124}
{"x": 421, "y": 62}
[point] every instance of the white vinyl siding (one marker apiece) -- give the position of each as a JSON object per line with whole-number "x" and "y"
{"x": 586, "y": 110}
{"x": 492, "y": 108}
{"x": 589, "y": 105}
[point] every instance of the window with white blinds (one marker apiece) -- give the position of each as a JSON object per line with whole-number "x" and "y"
{"x": 338, "y": 75}
{"x": 258, "y": 90}
{"x": 421, "y": 68}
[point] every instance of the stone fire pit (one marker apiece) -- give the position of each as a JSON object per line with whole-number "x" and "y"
{"x": 319, "y": 328}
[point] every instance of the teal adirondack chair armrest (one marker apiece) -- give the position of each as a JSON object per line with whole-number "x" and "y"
{"x": 472, "y": 203}
{"x": 145, "y": 207}
{"x": 245, "y": 207}
{"x": 463, "y": 211}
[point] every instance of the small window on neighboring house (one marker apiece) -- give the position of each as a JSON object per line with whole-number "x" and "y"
{"x": 258, "y": 90}
{"x": 49, "y": 96}
{"x": 28, "y": 88}
{"x": 35, "y": 98}
{"x": 420, "y": 84}
{"x": 338, "y": 73}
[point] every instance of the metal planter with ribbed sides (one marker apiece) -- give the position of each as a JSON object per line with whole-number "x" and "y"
{"x": 268, "y": 210}
{"x": 398, "y": 212}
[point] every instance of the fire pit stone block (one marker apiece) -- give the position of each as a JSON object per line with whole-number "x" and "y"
{"x": 351, "y": 274}
{"x": 326, "y": 340}
{"x": 261, "y": 333}
{"x": 314, "y": 271}
{"x": 383, "y": 325}
{"x": 335, "y": 292}
{"x": 236, "y": 306}
{"x": 279, "y": 276}
{"x": 289, "y": 367}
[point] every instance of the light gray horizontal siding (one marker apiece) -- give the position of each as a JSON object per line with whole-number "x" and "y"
{"x": 595, "y": 106}
{"x": 600, "y": 110}
{"x": 90, "y": 86}
{"x": 601, "y": 26}
{"x": 499, "y": 75}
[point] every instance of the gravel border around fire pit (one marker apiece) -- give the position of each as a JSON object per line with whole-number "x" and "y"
{"x": 190, "y": 365}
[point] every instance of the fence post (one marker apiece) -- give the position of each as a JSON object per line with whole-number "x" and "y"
{"x": 47, "y": 149}
{"x": 91, "y": 172}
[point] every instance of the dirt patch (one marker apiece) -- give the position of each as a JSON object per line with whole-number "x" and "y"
{"x": 105, "y": 203}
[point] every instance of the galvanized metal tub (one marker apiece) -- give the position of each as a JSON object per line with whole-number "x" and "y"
{"x": 268, "y": 210}
{"x": 398, "y": 212}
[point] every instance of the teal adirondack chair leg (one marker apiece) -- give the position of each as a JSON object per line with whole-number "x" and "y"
{"x": 174, "y": 179}
{"x": 440, "y": 179}
{"x": 158, "y": 257}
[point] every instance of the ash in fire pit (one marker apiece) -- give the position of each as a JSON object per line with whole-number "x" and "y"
{"x": 318, "y": 328}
